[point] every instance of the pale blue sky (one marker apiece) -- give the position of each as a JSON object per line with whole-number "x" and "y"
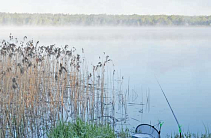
{"x": 169, "y": 7}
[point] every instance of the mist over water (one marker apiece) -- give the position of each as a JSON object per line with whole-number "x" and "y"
{"x": 178, "y": 56}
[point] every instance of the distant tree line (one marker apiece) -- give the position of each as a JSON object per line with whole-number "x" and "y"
{"x": 102, "y": 20}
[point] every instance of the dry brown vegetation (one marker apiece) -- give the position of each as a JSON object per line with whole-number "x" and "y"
{"x": 40, "y": 85}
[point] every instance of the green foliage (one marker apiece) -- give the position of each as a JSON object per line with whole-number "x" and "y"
{"x": 102, "y": 20}
{"x": 190, "y": 135}
{"x": 124, "y": 133}
{"x": 80, "y": 129}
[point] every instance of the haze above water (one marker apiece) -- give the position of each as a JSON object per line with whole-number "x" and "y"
{"x": 179, "y": 57}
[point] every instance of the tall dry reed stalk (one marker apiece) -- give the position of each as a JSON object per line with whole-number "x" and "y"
{"x": 40, "y": 85}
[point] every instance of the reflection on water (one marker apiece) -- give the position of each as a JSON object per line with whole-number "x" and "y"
{"x": 179, "y": 57}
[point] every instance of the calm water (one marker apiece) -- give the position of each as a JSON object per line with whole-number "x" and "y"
{"x": 179, "y": 57}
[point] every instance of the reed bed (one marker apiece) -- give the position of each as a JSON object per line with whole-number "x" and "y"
{"x": 41, "y": 85}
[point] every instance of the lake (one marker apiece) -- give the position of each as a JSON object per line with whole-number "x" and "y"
{"x": 180, "y": 57}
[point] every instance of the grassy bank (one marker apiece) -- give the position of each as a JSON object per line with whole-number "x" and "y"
{"x": 190, "y": 135}
{"x": 80, "y": 129}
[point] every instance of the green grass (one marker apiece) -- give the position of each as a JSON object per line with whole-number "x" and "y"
{"x": 80, "y": 129}
{"x": 124, "y": 133}
{"x": 190, "y": 135}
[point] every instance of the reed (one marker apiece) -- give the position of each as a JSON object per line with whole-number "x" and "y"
{"x": 40, "y": 85}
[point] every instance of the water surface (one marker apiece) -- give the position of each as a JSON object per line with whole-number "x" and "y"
{"x": 179, "y": 57}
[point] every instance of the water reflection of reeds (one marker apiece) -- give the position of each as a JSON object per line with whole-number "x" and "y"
{"x": 40, "y": 85}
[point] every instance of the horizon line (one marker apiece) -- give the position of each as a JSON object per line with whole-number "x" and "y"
{"x": 105, "y": 14}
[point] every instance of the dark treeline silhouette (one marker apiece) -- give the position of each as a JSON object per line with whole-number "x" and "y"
{"x": 102, "y": 20}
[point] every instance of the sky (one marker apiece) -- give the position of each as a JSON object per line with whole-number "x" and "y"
{"x": 142, "y": 7}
